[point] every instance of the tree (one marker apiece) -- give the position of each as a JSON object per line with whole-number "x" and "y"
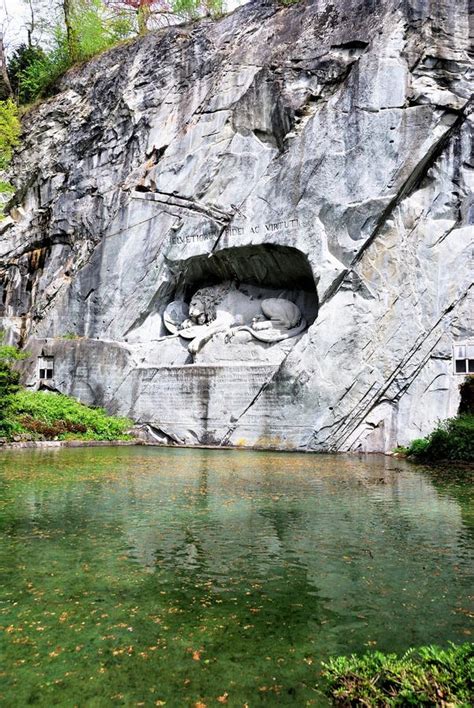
{"x": 153, "y": 13}
{"x": 5, "y": 86}
{"x": 71, "y": 29}
{"x": 30, "y": 28}
{"x": 9, "y": 131}
{"x": 24, "y": 57}
{"x": 143, "y": 9}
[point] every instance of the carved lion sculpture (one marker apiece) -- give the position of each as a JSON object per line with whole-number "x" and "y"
{"x": 283, "y": 314}
{"x": 205, "y": 302}
{"x": 225, "y": 308}
{"x": 284, "y": 320}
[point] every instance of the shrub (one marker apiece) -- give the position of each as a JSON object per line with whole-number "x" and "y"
{"x": 466, "y": 389}
{"x": 53, "y": 415}
{"x": 49, "y": 431}
{"x": 418, "y": 447}
{"x": 428, "y": 676}
{"x": 9, "y": 385}
{"x": 453, "y": 439}
{"x": 6, "y": 187}
{"x": 97, "y": 29}
{"x": 47, "y": 415}
{"x": 94, "y": 31}
{"x": 22, "y": 58}
{"x": 9, "y": 131}
{"x": 38, "y": 77}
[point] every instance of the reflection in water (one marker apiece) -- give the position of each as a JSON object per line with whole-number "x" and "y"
{"x": 265, "y": 563}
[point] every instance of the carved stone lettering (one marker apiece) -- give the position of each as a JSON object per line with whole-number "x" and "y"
{"x": 269, "y": 227}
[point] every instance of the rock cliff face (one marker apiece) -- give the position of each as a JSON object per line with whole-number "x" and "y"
{"x": 320, "y": 153}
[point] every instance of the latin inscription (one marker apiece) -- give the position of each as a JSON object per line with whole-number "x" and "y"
{"x": 193, "y": 238}
{"x": 269, "y": 227}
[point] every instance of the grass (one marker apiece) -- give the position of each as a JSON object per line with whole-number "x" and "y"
{"x": 428, "y": 676}
{"x": 70, "y": 335}
{"x": 41, "y": 415}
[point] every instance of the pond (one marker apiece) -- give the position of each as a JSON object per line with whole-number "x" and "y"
{"x": 150, "y": 576}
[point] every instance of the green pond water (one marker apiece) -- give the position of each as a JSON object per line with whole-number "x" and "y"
{"x": 147, "y": 576}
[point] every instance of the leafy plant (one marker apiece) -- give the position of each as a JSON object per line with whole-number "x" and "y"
{"x": 428, "y": 676}
{"x": 6, "y": 187}
{"x": 9, "y": 385}
{"x": 97, "y": 30}
{"x": 53, "y": 415}
{"x": 9, "y": 131}
{"x": 94, "y": 29}
{"x": 466, "y": 390}
{"x": 453, "y": 439}
{"x": 22, "y": 58}
{"x": 46, "y": 415}
{"x": 90, "y": 27}
{"x": 417, "y": 447}
{"x": 37, "y": 78}
{"x": 150, "y": 14}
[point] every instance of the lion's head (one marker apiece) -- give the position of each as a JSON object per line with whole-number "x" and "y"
{"x": 204, "y": 302}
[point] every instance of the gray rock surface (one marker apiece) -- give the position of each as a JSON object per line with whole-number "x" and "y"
{"x": 320, "y": 152}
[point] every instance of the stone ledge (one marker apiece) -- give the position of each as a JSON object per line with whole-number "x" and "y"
{"x": 46, "y": 444}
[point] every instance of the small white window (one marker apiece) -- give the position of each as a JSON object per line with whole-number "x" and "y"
{"x": 463, "y": 355}
{"x": 45, "y": 367}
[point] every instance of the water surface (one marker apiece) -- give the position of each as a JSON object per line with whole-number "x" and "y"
{"x": 148, "y": 576}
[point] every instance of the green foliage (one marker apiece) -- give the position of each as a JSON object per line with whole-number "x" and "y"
{"x": 95, "y": 26}
{"x": 9, "y": 385}
{"x": 453, "y": 439}
{"x": 192, "y": 9}
{"x": 215, "y": 8}
{"x": 6, "y": 187}
{"x": 466, "y": 390}
{"x": 95, "y": 30}
{"x": 46, "y": 415}
{"x": 21, "y": 59}
{"x": 9, "y": 131}
{"x": 428, "y": 676}
{"x": 400, "y": 449}
{"x": 417, "y": 447}
{"x": 6, "y": 190}
{"x": 40, "y": 74}
{"x": 53, "y": 415}
{"x": 70, "y": 335}
{"x": 187, "y": 8}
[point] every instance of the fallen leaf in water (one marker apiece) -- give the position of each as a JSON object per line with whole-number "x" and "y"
{"x": 56, "y": 652}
